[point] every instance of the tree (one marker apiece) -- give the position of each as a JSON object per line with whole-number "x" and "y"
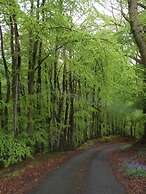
{"x": 139, "y": 35}
{"x": 71, "y": 80}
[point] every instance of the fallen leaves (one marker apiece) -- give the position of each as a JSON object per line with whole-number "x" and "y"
{"x": 132, "y": 184}
{"x": 31, "y": 174}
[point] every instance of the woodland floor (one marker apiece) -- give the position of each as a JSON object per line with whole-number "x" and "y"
{"x": 84, "y": 171}
{"x": 133, "y": 154}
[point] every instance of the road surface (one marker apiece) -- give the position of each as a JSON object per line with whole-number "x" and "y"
{"x": 87, "y": 173}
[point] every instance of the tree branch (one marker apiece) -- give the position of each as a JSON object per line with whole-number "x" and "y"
{"x": 125, "y": 16}
{"x": 141, "y": 5}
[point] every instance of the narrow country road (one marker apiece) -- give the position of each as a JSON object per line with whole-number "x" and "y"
{"x": 87, "y": 173}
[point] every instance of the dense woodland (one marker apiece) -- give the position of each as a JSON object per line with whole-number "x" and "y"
{"x": 70, "y": 72}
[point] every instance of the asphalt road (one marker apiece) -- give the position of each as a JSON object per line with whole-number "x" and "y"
{"x": 87, "y": 173}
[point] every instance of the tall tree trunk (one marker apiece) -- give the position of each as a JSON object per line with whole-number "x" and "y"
{"x": 33, "y": 51}
{"x": 139, "y": 36}
{"x": 39, "y": 78}
{"x": 7, "y": 80}
{"x": 40, "y": 46}
{"x": 63, "y": 117}
{"x": 53, "y": 88}
{"x": 71, "y": 113}
{"x": 1, "y": 109}
{"x": 16, "y": 62}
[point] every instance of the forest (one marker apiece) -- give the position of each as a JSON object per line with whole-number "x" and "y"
{"x": 70, "y": 71}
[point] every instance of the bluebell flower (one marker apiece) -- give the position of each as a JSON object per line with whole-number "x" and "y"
{"x": 136, "y": 165}
{"x": 135, "y": 169}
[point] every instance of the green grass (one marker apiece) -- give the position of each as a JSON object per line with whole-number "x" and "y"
{"x": 136, "y": 172}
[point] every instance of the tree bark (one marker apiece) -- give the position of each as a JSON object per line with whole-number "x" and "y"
{"x": 7, "y": 80}
{"x": 71, "y": 113}
{"x": 33, "y": 51}
{"x": 138, "y": 33}
{"x": 16, "y": 63}
{"x": 1, "y": 109}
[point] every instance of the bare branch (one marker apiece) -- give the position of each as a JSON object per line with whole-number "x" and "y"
{"x": 141, "y": 5}
{"x": 125, "y": 16}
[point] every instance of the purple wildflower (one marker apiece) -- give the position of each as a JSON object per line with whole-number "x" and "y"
{"x": 136, "y": 165}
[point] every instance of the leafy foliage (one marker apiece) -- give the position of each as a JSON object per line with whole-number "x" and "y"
{"x": 75, "y": 79}
{"x": 12, "y": 150}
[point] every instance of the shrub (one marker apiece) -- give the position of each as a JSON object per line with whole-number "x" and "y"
{"x": 12, "y": 150}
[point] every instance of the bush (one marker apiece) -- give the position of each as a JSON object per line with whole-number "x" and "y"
{"x": 135, "y": 169}
{"x": 12, "y": 150}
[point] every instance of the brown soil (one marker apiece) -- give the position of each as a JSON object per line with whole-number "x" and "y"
{"x": 21, "y": 178}
{"x": 137, "y": 153}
